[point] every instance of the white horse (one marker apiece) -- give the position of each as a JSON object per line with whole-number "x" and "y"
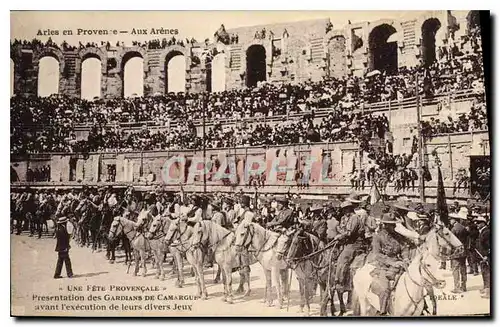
{"x": 264, "y": 243}
{"x": 411, "y": 289}
{"x": 180, "y": 231}
{"x": 208, "y": 234}
{"x": 157, "y": 231}
{"x": 137, "y": 239}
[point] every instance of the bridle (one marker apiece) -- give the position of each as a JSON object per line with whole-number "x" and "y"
{"x": 430, "y": 280}
{"x": 178, "y": 234}
{"x": 202, "y": 243}
{"x": 159, "y": 227}
{"x": 115, "y": 234}
{"x": 249, "y": 237}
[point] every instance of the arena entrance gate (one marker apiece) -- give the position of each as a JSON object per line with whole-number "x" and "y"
{"x": 256, "y": 65}
{"x": 429, "y": 30}
{"x": 383, "y": 54}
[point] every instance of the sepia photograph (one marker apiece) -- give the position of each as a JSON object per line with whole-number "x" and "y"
{"x": 250, "y": 164}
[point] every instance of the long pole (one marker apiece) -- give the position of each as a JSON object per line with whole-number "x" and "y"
{"x": 204, "y": 146}
{"x": 420, "y": 143}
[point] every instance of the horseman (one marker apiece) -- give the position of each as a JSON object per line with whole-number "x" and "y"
{"x": 219, "y": 216}
{"x": 284, "y": 218}
{"x": 197, "y": 209}
{"x": 390, "y": 257}
{"x": 85, "y": 208}
{"x": 228, "y": 209}
{"x": 352, "y": 236}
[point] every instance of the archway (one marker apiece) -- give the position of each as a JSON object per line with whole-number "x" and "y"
{"x": 383, "y": 54}
{"x": 48, "y": 76}
{"x": 175, "y": 72}
{"x": 91, "y": 78}
{"x": 12, "y": 72}
{"x": 256, "y": 65}
{"x": 218, "y": 73}
{"x": 429, "y": 30}
{"x": 133, "y": 74}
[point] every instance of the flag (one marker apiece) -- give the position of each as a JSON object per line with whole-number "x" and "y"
{"x": 452, "y": 22}
{"x": 374, "y": 194}
{"x": 442, "y": 208}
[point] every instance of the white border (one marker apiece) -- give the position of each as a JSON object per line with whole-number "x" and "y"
{"x": 196, "y": 5}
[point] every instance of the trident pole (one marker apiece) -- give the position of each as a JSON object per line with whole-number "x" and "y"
{"x": 421, "y": 181}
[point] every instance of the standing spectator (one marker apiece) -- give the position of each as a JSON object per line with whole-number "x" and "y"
{"x": 62, "y": 248}
{"x": 458, "y": 262}
{"x": 483, "y": 249}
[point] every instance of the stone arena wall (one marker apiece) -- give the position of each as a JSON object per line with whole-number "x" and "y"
{"x": 308, "y": 50}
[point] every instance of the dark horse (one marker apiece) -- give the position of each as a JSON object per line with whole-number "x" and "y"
{"x": 313, "y": 263}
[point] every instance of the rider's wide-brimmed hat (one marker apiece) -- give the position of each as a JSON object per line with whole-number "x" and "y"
{"x": 388, "y": 218}
{"x": 245, "y": 200}
{"x": 401, "y": 206}
{"x": 418, "y": 213}
{"x": 316, "y": 207}
{"x": 461, "y": 214}
{"x": 62, "y": 220}
{"x": 481, "y": 218}
{"x": 354, "y": 198}
{"x": 229, "y": 201}
{"x": 283, "y": 200}
{"x": 346, "y": 204}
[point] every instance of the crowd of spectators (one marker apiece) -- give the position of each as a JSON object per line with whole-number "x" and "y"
{"x": 49, "y": 124}
{"x": 475, "y": 119}
{"x": 39, "y": 174}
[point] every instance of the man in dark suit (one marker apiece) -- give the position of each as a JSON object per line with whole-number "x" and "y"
{"x": 458, "y": 261}
{"x": 472, "y": 257}
{"x": 483, "y": 249}
{"x": 284, "y": 218}
{"x": 62, "y": 248}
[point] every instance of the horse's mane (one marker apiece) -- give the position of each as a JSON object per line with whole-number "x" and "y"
{"x": 215, "y": 231}
{"x": 313, "y": 240}
{"x": 125, "y": 221}
{"x": 263, "y": 230}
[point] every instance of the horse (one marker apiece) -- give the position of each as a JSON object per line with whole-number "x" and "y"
{"x": 411, "y": 288}
{"x": 137, "y": 240}
{"x": 313, "y": 263}
{"x": 180, "y": 231}
{"x": 264, "y": 242}
{"x": 207, "y": 234}
{"x": 157, "y": 231}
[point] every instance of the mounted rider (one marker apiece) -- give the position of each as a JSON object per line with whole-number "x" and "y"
{"x": 284, "y": 218}
{"x": 391, "y": 254}
{"x": 352, "y": 236}
{"x": 219, "y": 216}
{"x": 228, "y": 209}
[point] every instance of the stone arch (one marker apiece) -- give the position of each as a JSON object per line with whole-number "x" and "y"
{"x": 429, "y": 30}
{"x": 129, "y": 52}
{"x": 51, "y": 52}
{"x": 383, "y": 55}
{"x": 165, "y": 60}
{"x": 256, "y": 64}
{"x": 177, "y": 49}
{"x": 216, "y": 73}
{"x": 265, "y": 43}
{"x": 123, "y": 59}
{"x": 92, "y": 52}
